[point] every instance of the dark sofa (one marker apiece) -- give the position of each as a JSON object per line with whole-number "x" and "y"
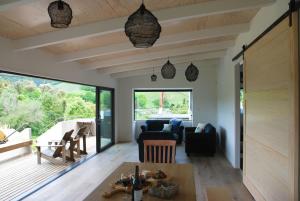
{"x": 153, "y": 131}
{"x": 204, "y": 142}
{"x": 158, "y": 125}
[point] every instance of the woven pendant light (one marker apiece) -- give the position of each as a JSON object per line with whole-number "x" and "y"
{"x": 142, "y": 28}
{"x": 153, "y": 76}
{"x": 60, "y": 14}
{"x": 168, "y": 71}
{"x": 191, "y": 73}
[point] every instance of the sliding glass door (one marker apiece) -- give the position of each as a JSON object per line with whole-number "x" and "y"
{"x": 105, "y": 118}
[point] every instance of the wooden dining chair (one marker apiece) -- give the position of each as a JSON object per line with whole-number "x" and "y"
{"x": 159, "y": 151}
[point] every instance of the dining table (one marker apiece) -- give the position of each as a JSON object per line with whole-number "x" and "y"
{"x": 180, "y": 174}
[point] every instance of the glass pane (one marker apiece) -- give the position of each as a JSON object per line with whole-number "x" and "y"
{"x": 49, "y": 108}
{"x": 106, "y": 117}
{"x": 162, "y": 105}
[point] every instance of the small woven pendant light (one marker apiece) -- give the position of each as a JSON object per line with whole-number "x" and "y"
{"x": 191, "y": 73}
{"x": 153, "y": 77}
{"x": 168, "y": 71}
{"x": 60, "y": 14}
{"x": 142, "y": 28}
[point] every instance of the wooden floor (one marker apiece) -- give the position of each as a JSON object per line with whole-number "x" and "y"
{"x": 21, "y": 174}
{"x": 81, "y": 181}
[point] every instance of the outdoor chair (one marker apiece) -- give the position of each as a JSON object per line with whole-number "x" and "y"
{"x": 81, "y": 133}
{"x": 57, "y": 149}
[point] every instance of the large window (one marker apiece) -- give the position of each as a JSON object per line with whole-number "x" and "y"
{"x": 39, "y": 103}
{"x": 162, "y": 104}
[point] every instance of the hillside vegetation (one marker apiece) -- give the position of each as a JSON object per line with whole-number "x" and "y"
{"x": 40, "y": 103}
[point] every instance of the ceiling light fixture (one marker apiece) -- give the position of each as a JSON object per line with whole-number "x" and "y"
{"x": 191, "y": 73}
{"x": 153, "y": 77}
{"x": 142, "y": 28}
{"x": 60, "y": 14}
{"x": 168, "y": 71}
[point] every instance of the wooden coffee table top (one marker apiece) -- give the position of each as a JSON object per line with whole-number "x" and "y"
{"x": 181, "y": 174}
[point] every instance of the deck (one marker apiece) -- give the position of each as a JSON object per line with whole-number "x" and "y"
{"x": 20, "y": 175}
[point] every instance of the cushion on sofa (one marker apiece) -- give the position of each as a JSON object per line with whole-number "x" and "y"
{"x": 167, "y": 128}
{"x": 199, "y": 128}
{"x": 175, "y": 124}
{"x": 2, "y": 135}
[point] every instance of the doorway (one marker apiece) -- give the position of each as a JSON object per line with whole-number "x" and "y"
{"x": 105, "y": 118}
{"x": 239, "y": 114}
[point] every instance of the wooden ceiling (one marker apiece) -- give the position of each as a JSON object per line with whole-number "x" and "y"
{"x": 96, "y": 35}
{"x": 32, "y": 18}
{"x": 182, "y": 26}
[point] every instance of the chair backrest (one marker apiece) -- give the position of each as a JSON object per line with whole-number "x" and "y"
{"x": 80, "y": 132}
{"x": 159, "y": 151}
{"x": 66, "y": 138}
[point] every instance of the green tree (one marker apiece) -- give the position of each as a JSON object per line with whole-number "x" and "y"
{"x": 79, "y": 108}
{"x": 89, "y": 96}
{"x": 166, "y": 103}
{"x": 105, "y": 99}
{"x": 155, "y": 103}
{"x": 141, "y": 101}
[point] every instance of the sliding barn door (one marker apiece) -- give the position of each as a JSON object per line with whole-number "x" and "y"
{"x": 271, "y": 115}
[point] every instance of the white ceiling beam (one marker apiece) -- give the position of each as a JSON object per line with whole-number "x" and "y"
{"x": 115, "y": 25}
{"x": 160, "y": 62}
{"x": 9, "y": 4}
{"x": 157, "y": 70}
{"x": 166, "y": 40}
{"x": 137, "y": 72}
{"x": 160, "y": 54}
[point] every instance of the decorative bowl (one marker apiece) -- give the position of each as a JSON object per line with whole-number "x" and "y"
{"x": 164, "y": 190}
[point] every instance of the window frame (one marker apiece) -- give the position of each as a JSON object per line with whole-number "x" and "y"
{"x": 97, "y": 89}
{"x": 158, "y": 90}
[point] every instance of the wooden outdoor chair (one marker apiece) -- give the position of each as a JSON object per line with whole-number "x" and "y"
{"x": 159, "y": 151}
{"x": 81, "y": 133}
{"x": 57, "y": 149}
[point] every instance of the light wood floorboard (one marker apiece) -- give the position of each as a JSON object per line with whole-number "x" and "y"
{"x": 19, "y": 175}
{"x": 80, "y": 182}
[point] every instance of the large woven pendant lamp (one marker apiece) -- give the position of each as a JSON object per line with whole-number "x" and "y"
{"x": 191, "y": 73}
{"x": 60, "y": 14}
{"x": 142, "y": 28}
{"x": 168, "y": 71}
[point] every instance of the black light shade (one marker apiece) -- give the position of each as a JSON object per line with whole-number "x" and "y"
{"x": 168, "y": 71}
{"x": 60, "y": 13}
{"x": 191, "y": 73}
{"x": 142, "y": 28}
{"x": 153, "y": 78}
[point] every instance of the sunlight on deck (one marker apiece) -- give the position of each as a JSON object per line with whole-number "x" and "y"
{"x": 21, "y": 174}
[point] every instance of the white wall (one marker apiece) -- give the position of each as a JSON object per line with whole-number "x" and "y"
{"x": 204, "y": 95}
{"x": 226, "y": 80}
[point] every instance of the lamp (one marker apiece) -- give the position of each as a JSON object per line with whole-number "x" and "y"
{"x": 153, "y": 77}
{"x": 142, "y": 28}
{"x": 60, "y": 14}
{"x": 168, "y": 71}
{"x": 191, "y": 73}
